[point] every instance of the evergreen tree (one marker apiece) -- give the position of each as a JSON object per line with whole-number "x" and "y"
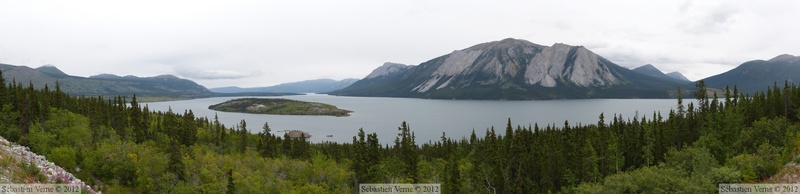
{"x": 243, "y": 136}
{"x": 188, "y": 129}
{"x": 287, "y": 144}
{"x": 590, "y": 168}
{"x": 453, "y": 181}
{"x": 408, "y": 151}
{"x": 218, "y": 132}
{"x": 138, "y": 120}
{"x": 360, "y": 167}
{"x": 176, "y": 165}
{"x": 231, "y": 187}
{"x": 265, "y": 141}
{"x": 300, "y": 147}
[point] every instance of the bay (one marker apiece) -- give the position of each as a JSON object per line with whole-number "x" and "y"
{"x": 428, "y": 119}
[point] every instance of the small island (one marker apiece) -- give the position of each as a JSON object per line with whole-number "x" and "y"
{"x": 279, "y": 106}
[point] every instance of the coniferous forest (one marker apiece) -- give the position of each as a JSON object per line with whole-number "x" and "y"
{"x": 121, "y": 147}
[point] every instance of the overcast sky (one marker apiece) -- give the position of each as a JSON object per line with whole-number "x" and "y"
{"x": 257, "y": 43}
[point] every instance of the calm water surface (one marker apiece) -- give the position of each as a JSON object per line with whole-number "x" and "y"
{"x": 427, "y": 118}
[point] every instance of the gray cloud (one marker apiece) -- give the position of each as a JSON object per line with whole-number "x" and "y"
{"x": 708, "y": 19}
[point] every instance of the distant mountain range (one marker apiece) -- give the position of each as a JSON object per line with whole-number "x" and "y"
{"x": 513, "y": 69}
{"x": 757, "y": 75}
{"x": 653, "y": 71}
{"x": 308, "y": 86}
{"x": 162, "y": 86}
{"x": 105, "y": 84}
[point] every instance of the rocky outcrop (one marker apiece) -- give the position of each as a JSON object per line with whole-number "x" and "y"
{"x": 53, "y": 172}
{"x": 576, "y": 65}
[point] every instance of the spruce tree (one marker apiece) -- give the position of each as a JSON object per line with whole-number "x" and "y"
{"x": 243, "y": 136}
{"x": 265, "y": 141}
{"x": 408, "y": 151}
{"x": 231, "y": 187}
{"x": 175, "y": 164}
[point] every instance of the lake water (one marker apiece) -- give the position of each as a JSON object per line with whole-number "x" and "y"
{"x": 426, "y": 118}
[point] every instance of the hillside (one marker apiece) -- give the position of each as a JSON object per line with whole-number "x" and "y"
{"x": 756, "y": 75}
{"x": 513, "y": 69}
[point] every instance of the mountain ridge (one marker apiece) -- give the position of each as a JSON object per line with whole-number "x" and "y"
{"x": 108, "y": 84}
{"x": 753, "y": 76}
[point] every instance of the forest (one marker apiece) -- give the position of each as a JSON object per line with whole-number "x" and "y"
{"x": 121, "y": 147}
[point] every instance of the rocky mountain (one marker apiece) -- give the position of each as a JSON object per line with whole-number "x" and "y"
{"x": 653, "y": 71}
{"x": 757, "y": 75}
{"x": 104, "y": 84}
{"x": 308, "y": 86}
{"x": 512, "y": 69}
{"x": 388, "y": 69}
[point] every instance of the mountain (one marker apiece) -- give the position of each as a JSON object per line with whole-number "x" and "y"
{"x": 308, "y": 86}
{"x": 512, "y": 69}
{"x": 388, "y": 69}
{"x": 678, "y": 76}
{"x": 757, "y": 75}
{"x": 653, "y": 71}
{"x": 52, "y": 71}
{"x": 104, "y": 84}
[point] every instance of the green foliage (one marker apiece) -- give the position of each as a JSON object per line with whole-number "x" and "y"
{"x": 649, "y": 180}
{"x": 695, "y": 161}
{"x": 64, "y": 156}
{"x": 757, "y": 166}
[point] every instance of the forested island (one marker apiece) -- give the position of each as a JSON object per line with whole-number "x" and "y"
{"x": 119, "y": 146}
{"x": 279, "y": 106}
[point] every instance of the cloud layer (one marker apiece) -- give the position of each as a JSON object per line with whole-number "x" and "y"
{"x": 257, "y": 43}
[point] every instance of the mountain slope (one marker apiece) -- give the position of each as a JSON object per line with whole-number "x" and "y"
{"x": 756, "y": 75}
{"x": 514, "y": 69}
{"x": 678, "y": 76}
{"x": 649, "y": 70}
{"x": 52, "y": 71}
{"x": 655, "y": 72}
{"x": 105, "y": 84}
{"x": 308, "y": 86}
{"x": 379, "y": 81}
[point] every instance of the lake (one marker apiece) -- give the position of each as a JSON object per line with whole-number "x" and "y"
{"x": 426, "y": 118}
